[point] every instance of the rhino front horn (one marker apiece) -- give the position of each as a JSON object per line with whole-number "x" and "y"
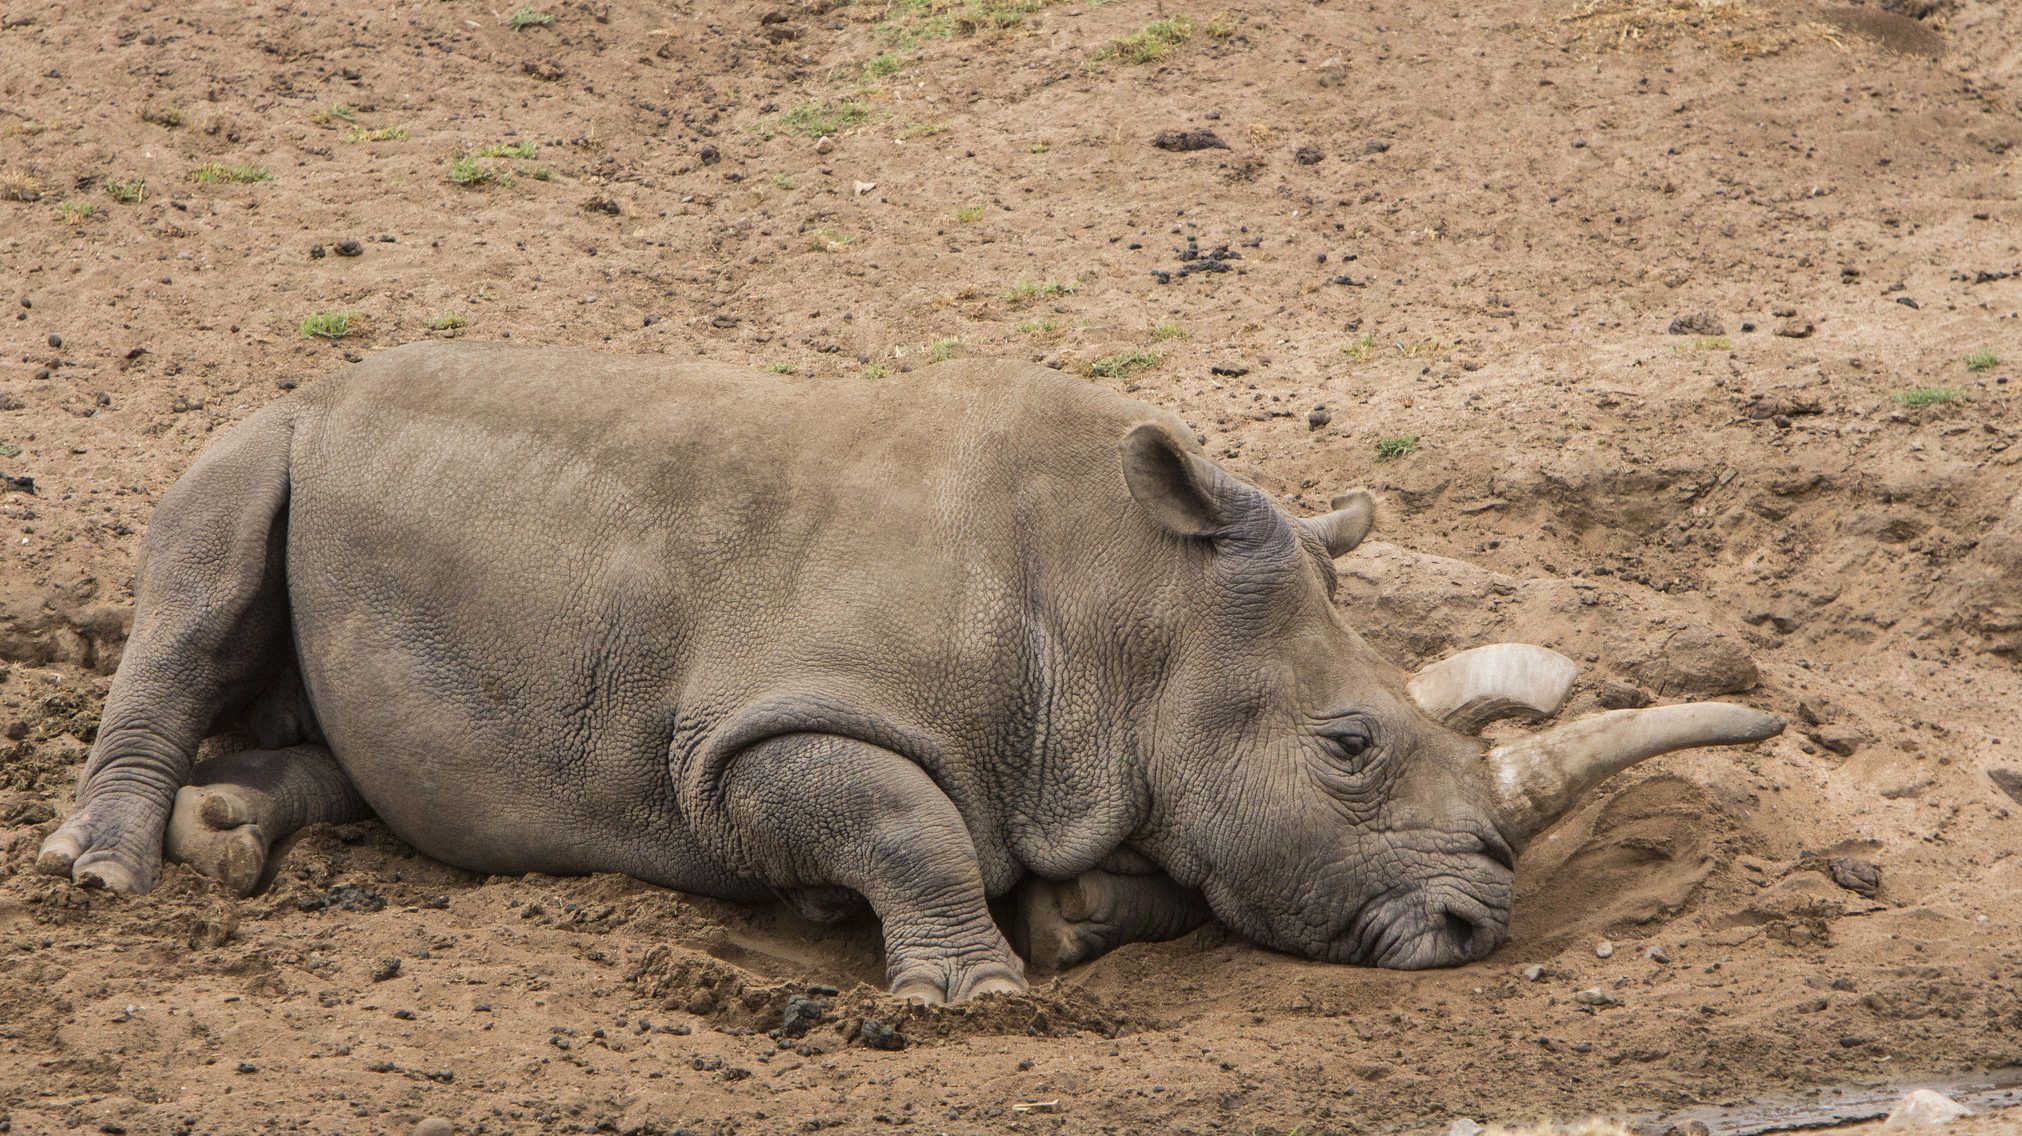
{"x": 1539, "y": 779}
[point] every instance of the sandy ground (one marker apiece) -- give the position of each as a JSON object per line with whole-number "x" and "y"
{"x": 1475, "y": 224}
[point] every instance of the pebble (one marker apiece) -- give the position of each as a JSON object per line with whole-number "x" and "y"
{"x": 1925, "y": 1109}
{"x": 55, "y": 340}
{"x": 316, "y": 252}
{"x": 1858, "y": 876}
{"x": 350, "y": 248}
{"x": 1595, "y": 996}
{"x": 434, "y": 1126}
{"x": 1462, "y": 1126}
{"x": 878, "y": 1035}
{"x": 825, "y": 146}
{"x": 1658, "y": 955}
{"x": 1794, "y": 329}
{"x": 387, "y": 968}
{"x": 1317, "y": 419}
{"x": 1698, "y": 323}
{"x": 1533, "y": 973}
{"x": 1604, "y": 949}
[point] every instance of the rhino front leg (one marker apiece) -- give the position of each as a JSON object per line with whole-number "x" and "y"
{"x": 819, "y": 811}
{"x": 1062, "y": 924}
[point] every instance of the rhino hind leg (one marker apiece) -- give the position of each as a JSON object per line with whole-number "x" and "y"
{"x": 210, "y": 634}
{"x": 1060, "y": 924}
{"x": 811, "y": 813}
{"x": 237, "y": 808}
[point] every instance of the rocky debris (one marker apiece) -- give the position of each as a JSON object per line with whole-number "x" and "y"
{"x": 1193, "y": 260}
{"x": 824, "y": 145}
{"x": 603, "y": 205}
{"x": 1621, "y": 696}
{"x": 1596, "y": 997}
{"x": 1858, "y": 876}
{"x": 1375, "y": 146}
{"x": 1838, "y": 738}
{"x": 1308, "y": 156}
{"x": 876, "y": 1034}
{"x": 350, "y": 897}
{"x": 350, "y": 248}
{"x": 1533, "y": 973}
{"x": 1925, "y": 1108}
{"x": 1794, "y": 329}
{"x": 1658, "y": 955}
{"x": 387, "y": 968}
{"x": 433, "y": 1126}
{"x": 1698, "y": 323}
{"x": 1182, "y": 141}
{"x": 1462, "y": 1126}
{"x": 1604, "y": 949}
{"x": 1318, "y": 418}
{"x": 1227, "y": 370}
{"x": 801, "y": 1015}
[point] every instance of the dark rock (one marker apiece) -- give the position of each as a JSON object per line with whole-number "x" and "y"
{"x": 1698, "y": 323}
{"x": 801, "y": 1015}
{"x": 350, "y": 897}
{"x": 1317, "y": 419}
{"x": 350, "y": 248}
{"x": 877, "y": 1035}
{"x": 546, "y": 70}
{"x": 1794, "y": 329}
{"x": 2009, "y": 781}
{"x": 1622, "y": 696}
{"x": 604, "y": 205}
{"x": 387, "y": 968}
{"x": 1308, "y": 156}
{"x": 1181, "y": 141}
{"x": 1858, "y": 876}
{"x": 1908, "y": 303}
{"x": 21, "y": 484}
{"x": 1228, "y": 370}
{"x": 316, "y": 252}
{"x": 709, "y": 155}
{"x": 55, "y": 340}
{"x": 1375, "y": 146}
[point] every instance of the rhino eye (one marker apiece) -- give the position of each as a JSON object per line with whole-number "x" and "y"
{"x": 1351, "y": 739}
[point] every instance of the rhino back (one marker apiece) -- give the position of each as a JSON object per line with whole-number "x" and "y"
{"x": 542, "y": 595}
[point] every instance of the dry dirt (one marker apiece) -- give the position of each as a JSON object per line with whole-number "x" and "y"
{"x": 1522, "y": 196}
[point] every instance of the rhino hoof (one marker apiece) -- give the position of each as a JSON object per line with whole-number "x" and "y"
{"x": 958, "y": 983}
{"x": 94, "y": 847}
{"x": 1054, "y": 929}
{"x": 215, "y": 829}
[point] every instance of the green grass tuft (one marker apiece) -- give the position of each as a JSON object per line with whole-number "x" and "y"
{"x": 9, "y": 450}
{"x": 220, "y": 172}
{"x": 874, "y": 371}
{"x": 1929, "y": 396}
{"x": 814, "y": 120}
{"x": 882, "y": 66}
{"x": 781, "y": 181}
{"x": 943, "y": 349}
{"x": 1712, "y": 343}
{"x": 127, "y": 191}
{"x": 830, "y": 240}
{"x": 1039, "y": 327}
{"x": 526, "y": 18}
{"x": 468, "y": 173}
{"x": 1982, "y": 360}
{"x": 1360, "y": 349}
{"x": 968, "y": 214}
{"x": 1026, "y": 291}
{"x": 521, "y": 150}
{"x": 327, "y": 115}
{"x": 783, "y": 369}
{"x": 1170, "y": 331}
{"x": 1151, "y": 43}
{"x": 1396, "y": 446}
{"x": 448, "y": 321}
{"x": 1130, "y": 362}
{"x": 924, "y": 130}
{"x": 328, "y": 325}
{"x": 170, "y": 116}
{"x": 376, "y": 134}
{"x": 76, "y": 212}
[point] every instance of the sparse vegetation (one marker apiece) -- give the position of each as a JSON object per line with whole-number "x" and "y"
{"x": 9, "y": 450}
{"x": 448, "y": 321}
{"x": 17, "y": 186}
{"x": 1929, "y": 396}
{"x": 830, "y": 240}
{"x": 211, "y": 173}
{"x": 907, "y": 24}
{"x": 467, "y": 172}
{"x": 943, "y": 349}
{"x": 815, "y": 119}
{"x": 127, "y": 192}
{"x": 968, "y": 214}
{"x": 1163, "y": 331}
{"x": 167, "y": 115}
{"x": 524, "y": 151}
{"x": 781, "y": 181}
{"x": 1982, "y": 360}
{"x": 1151, "y": 43}
{"x": 541, "y": 173}
{"x": 1130, "y": 362}
{"x": 328, "y": 325}
{"x": 1040, "y": 327}
{"x": 76, "y": 212}
{"x": 1359, "y": 349}
{"x": 1026, "y": 291}
{"x": 1713, "y": 343}
{"x": 783, "y": 369}
{"x": 1396, "y": 446}
{"x": 874, "y": 371}
{"x": 924, "y": 130}
{"x": 1421, "y": 347}
{"x": 332, "y": 114}
{"x": 376, "y": 134}
{"x": 525, "y": 18}
{"x": 882, "y": 66}
{"x": 1037, "y": 148}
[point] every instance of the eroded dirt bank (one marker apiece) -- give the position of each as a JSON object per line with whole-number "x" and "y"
{"x": 1475, "y": 225}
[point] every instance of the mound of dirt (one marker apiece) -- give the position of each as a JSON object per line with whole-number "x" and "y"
{"x": 1440, "y": 251}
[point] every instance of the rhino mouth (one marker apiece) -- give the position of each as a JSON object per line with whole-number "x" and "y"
{"x": 1440, "y": 923}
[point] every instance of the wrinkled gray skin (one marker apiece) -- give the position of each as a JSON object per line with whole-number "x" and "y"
{"x": 747, "y": 636}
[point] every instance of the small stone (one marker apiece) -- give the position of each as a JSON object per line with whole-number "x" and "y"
{"x": 316, "y": 252}
{"x": 387, "y": 968}
{"x": 801, "y": 1015}
{"x": 878, "y": 1035}
{"x": 863, "y": 187}
{"x": 1533, "y": 973}
{"x": 1309, "y": 156}
{"x": 825, "y": 145}
{"x": 1595, "y": 996}
{"x": 710, "y": 155}
{"x": 1227, "y": 370}
{"x": 1838, "y": 737}
{"x": 55, "y": 340}
{"x": 1858, "y": 876}
{"x": 1622, "y": 696}
{"x": 1183, "y": 141}
{"x": 1604, "y": 949}
{"x": 1317, "y": 419}
{"x": 1375, "y": 146}
{"x": 1794, "y": 329}
{"x": 248, "y": 1067}
{"x": 350, "y": 248}
{"x": 434, "y": 1126}
{"x": 1925, "y": 1109}
{"x": 1698, "y": 323}
{"x": 1658, "y": 955}
{"x": 1462, "y": 1126}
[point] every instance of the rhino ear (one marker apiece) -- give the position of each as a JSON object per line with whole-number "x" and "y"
{"x": 1184, "y": 492}
{"x": 1341, "y": 530}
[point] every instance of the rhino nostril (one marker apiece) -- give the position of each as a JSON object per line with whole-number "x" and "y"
{"x": 1461, "y": 933}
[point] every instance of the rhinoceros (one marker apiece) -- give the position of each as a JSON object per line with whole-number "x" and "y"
{"x": 982, "y": 633}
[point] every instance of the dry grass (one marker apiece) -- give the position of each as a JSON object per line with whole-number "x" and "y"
{"x": 1737, "y": 27}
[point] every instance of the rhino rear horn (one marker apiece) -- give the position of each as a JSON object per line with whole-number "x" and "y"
{"x": 1341, "y": 530}
{"x": 1539, "y": 779}
{"x": 1503, "y": 680}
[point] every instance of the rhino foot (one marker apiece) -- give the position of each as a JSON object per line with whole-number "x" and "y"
{"x": 216, "y": 830}
{"x": 953, "y": 980}
{"x": 1065, "y": 923}
{"x": 112, "y": 842}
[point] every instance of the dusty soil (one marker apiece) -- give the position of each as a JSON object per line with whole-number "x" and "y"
{"x": 1472, "y": 223}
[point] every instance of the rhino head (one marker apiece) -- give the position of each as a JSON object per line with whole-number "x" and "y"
{"x": 1323, "y": 801}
